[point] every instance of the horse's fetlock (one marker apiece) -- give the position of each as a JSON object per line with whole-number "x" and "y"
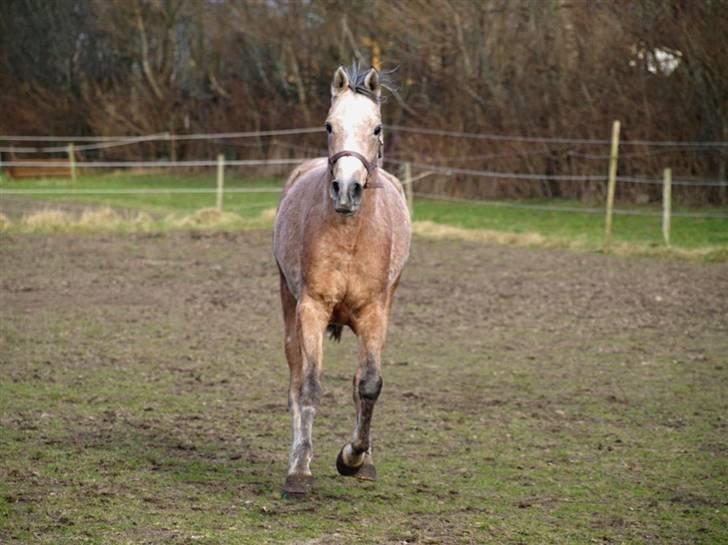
{"x": 303, "y": 447}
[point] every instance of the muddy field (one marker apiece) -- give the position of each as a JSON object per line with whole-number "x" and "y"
{"x": 530, "y": 396}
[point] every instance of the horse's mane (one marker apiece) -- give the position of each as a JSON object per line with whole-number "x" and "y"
{"x": 357, "y": 74}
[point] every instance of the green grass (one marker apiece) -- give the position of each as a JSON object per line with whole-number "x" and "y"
{"x": 244, "y": 204}
{"x": 707, "y": 238}
{"x": 587, "y": 227}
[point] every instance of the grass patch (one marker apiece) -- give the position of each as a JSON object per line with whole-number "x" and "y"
{"x": 441, "y": 231}
{"x": 160, "y": 204}
{"x": 105, "y": 219}
{"x": 250, "y": 203}
{"x": 582, "y": 229}
{"x": 166, "y": 202}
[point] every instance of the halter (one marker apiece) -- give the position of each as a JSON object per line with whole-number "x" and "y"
{"x": 370, "y": 166}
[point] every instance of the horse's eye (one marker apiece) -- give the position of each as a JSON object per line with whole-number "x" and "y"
{"x": 329, "y": 128}
{"x": 377, "y": 130}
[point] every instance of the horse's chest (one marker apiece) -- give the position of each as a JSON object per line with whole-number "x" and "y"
{"x": 347, "y": 275}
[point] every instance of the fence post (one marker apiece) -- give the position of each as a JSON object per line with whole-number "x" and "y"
{"x": 408, "y": 190}
{"x": 220, "y": 179}
{"x": 613, "y": 157}
{"x": 72, "y": 161}
{"x": 723, "y": 171}
{"x": 666, "y": 203}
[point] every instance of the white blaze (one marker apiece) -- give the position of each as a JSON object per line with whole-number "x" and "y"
{"x": 354, "y": 118}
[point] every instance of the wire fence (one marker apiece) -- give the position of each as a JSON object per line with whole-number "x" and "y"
{"x": 153, "y": 164}
{"x": 425, "y": 167}
{"x": 444, "y": 170}
{"x": 116, "y": 141}
{"x": 557, "y": 208}
{"x": 166, "y": 136}
{"x": 137, "y": 191}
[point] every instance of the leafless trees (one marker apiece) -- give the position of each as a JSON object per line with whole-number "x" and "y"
{"x": 546, "y": 68}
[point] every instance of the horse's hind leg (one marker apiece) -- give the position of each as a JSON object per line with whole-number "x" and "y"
{"x": 355, "y": 459}
{"x": 299, "y": 480}
{"x": 303, "y": 351}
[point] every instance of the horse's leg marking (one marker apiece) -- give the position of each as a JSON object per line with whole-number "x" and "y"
{"x": 311, "y": 320}
{"x": 295, "y": 363}
{"x": 367, "y": 385}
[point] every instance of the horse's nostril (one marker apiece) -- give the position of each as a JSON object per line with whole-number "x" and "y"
{"x": 357, "y": 189}
{"x": 335, "y": 187}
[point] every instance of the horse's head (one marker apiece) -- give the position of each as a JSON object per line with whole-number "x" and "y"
{"x": 354, "y": 125}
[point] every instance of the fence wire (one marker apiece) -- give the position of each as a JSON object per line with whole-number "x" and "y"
{"x": 309, "y": 130}
{"x": 437, "y": 169}
{"x": 573, "y": 209}
{"x": 426, "y": 168}
{"x": 450, "y": 171}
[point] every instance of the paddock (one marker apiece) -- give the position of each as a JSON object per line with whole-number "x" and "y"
{"x": 529, "y": 396}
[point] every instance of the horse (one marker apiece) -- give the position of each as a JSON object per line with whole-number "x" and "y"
{"x": 341, "y": 240}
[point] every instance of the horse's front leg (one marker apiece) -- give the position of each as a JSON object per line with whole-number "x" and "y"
{"x": 355, "y": 459}
{"x": 305, "y": 393}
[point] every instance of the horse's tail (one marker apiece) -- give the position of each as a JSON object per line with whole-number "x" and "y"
{"x": 334, "y": 331}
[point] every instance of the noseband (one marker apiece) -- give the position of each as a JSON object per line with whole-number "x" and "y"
{"x": 369, "y": 165}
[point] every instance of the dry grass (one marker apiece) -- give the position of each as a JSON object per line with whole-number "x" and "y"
{"x": 269, "y": 214}
{"x": 212, "y": 218}
{"x": 439, "y": 231}
{"x": 106, "y": 219}
{"x": 206, "y": 217}
{"x": 96, "y": 219}
{"x": 46, "y": 220}
{"x": 4, "y": 222}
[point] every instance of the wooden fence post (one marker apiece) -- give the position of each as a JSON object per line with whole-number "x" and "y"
{"x": 408, "y": 189}
{"x": 723, "y": 171}
{"x": 72, "y": 161}
{"x": 220, "y": 179}
{"x": 613, "y": 157}
{"x": 666, "y": 204}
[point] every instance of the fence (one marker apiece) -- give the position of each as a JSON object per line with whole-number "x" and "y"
{"x": 413, "y": 171}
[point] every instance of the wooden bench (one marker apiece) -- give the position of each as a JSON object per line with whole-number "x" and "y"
{"x": 57, "y": 168}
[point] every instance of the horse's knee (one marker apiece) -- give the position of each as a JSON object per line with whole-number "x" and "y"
{"x": 370, "y": 384}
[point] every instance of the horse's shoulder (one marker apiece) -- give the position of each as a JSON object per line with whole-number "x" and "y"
{"x": 400, "y": 225}
{"x": 304, "y": 168}
{"x": 391, "y": 179}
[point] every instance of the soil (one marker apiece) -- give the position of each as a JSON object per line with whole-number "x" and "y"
{"x": 496, "y": 355}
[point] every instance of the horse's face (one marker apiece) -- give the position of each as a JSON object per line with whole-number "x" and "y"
{"x": 354, "y": 124}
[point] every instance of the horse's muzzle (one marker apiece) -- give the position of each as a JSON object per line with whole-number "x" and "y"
{"x": 346, "y": 196}
{"x": 345, "y": 211}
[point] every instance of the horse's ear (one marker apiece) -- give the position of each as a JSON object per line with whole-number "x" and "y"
{"x": 340, "y": 82}
{"x": 371, "y": 81}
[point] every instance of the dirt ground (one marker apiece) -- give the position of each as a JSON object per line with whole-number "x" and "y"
{"x": 530, "y": 396}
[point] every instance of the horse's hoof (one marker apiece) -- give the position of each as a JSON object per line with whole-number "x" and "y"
{"x": 297, "y": 486}
{"x": 344, "y": 469}
{"x": 365, "y": 472}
